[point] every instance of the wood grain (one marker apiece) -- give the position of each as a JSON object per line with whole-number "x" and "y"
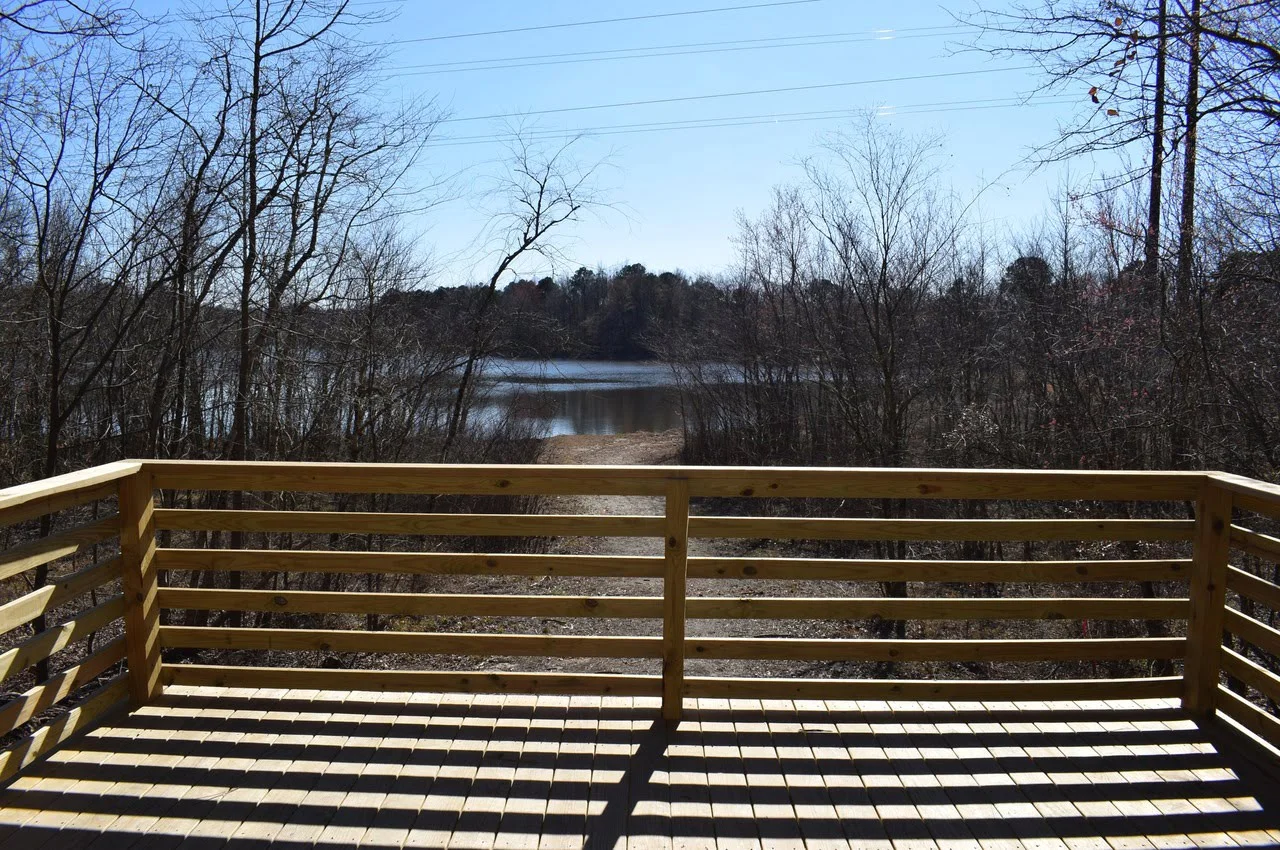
{"x": 1252, "y": 587}
{"x": 35, "y": 700}
{"x": 110, "y": 696}
{"x": 418, "y": 643}
{"x": 794, "y": 528}
{"x": 848, "y": 483}
{"x": 411, "y": 563}
{"x": 1250, "y": 494}
{"x": 322, "y": 602}
{"x": 55, "y": 502}
{"x": 1031, "y": 572}
{"x": 889, "y": 689}
{"x": 140, "y": 581}
{"x": 787, "y": 608}
{"x": 1255, "y": 543}
{"x": 852, "y": 649}
{"x": 63, "y": 544}
{"x": 1259, "y": 634}
{"x": 1208, "y": 589}
{"x": 17, "y": 501}
{"x": 355, "y": 522}
{"x": 1248, "y": 715}
{"x": 1251, "y": 673}
{"x": 594, "y": 684}
{"x": 26, "y": 608}
{"x": 674, "y": 591}
{"x": 55, "y": 639}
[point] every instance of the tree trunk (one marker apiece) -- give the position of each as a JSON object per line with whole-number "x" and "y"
{"x": 1187, "y": 224}
{"x": 1151, "y": 263}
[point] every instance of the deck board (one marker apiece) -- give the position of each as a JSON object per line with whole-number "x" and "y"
{"x": 220, "y": 768}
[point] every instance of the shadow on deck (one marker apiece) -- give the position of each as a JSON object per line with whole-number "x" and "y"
{"x": 212, "y": 768}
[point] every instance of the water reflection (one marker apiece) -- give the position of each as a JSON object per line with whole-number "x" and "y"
{"x": 581, "y": 396}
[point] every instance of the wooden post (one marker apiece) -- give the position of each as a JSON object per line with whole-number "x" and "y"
{"x": 675, "y": 579}
{"x": 141, "y": 587}
{"x": 1208, "y": 600}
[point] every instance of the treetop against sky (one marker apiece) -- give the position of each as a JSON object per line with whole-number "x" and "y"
{"x": 697, "y": 108}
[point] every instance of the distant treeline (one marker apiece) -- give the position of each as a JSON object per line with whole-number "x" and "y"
{"x": 599, "y": 314}
{"x": 875, "y": 326}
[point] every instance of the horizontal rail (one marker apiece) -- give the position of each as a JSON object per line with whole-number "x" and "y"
{"x": 53, "y": 503}
{"x": 793, "y": 528}
{"x": 888, "y": 689}
{"x": 426, "y": 643}
{"x": 410, "y": 478}
{"x": 107, "y": 698}
{"x": 415, "y": 604}
{"x": 63, "y": 544}
{"x": 620, "y": 566}
{"x": 586, "y": 684}
{"x": 1252, "y": 587}
{"x": 421, "y": 643}
{"x": 57, "y": 638}
{"x": 1255, "y": 675}
{"x": 1251, "y": 631}
{"x": 414, "y": 563}
{"x": 26, "y": 501}
{"x": 43, "y": 697}
{"x": 1046, "y": 572}
{"x": 26, "y": 608}
{"x": 1254, "y": 543}
{"x": 1250, "y": 494}
{"x": 352, "y": 522}
{"x": 793, "y": 649}
{"x": 789, "y": 608}
{"x": 1248, "y": 715}
{"x": 847, "y": 483}
{"x": 646, "y": 607}
{"x": 635, "y": 685}
{"x": 882, "y": 483}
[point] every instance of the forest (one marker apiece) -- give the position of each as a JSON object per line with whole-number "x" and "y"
{"x": 205, "y": 258}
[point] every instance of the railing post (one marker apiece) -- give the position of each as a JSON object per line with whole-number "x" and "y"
{"x": 141, "y": 586}
{"x": 1208, "y": 600}
{"x": 674, "y": 581}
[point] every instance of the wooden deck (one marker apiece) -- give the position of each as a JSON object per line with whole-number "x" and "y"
{"x": 216, "y": 767}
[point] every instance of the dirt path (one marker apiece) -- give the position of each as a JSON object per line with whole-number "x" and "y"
{"x": 638, "y": 449}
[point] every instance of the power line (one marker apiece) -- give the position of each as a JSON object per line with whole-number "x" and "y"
{"x": 572, "y": 59}
{"x": 697, "y": 97}
{"x": 886, "y": 111}
{"x": 658, "y": 124}
{"x": 603, "y": 21}
{"x": 885, "y": 33}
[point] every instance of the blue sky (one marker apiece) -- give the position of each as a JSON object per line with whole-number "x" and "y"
{"x": 678, "y": 190}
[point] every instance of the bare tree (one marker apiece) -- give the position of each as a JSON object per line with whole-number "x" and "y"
{"x": 81, "y": 163}
{"x": 543, "y": 190}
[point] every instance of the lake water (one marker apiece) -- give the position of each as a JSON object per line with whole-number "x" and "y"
{"x": 582, "y": 396}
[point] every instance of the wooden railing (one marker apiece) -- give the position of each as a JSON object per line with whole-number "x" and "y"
{"x": 94, "y": 667}
{"x": 158, "y": 633}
